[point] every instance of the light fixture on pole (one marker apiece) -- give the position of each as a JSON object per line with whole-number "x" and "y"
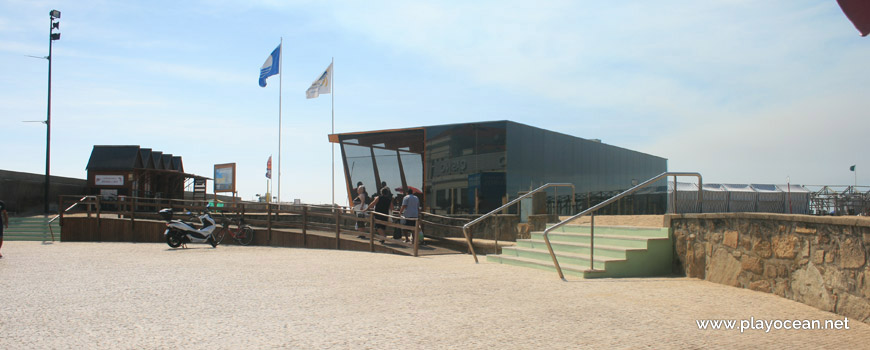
{"x": 52, "y": 36}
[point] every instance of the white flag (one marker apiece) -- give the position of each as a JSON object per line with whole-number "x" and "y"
{"x": 322, "y": 85}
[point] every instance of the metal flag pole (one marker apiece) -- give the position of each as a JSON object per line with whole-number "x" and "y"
{"x": 280, "y": 84}
{"x": 332, "y": 87}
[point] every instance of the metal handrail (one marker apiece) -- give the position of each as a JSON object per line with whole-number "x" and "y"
{"x": 503, "y": 207}
{"x": 605, "y": 203}
{"x": 68, "y": 209}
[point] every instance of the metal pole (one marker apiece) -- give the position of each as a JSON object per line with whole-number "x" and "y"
{"x": 788, "y": 185}
{"x": 592, "y": 242}
{"x": 280, "y": 85}
{"x": 332, "y": 93}
{"x": 48, "y": 121}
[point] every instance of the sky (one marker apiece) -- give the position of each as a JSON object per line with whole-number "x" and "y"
{"x": 740, "y": 91}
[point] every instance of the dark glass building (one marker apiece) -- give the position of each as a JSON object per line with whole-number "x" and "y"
{"x": 476, "y": 167}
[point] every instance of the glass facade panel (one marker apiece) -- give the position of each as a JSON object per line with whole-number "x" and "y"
{"x": 476, "y": 167}
{"x": 360, "y": 168}
{"x": 412, "y": 164}
{"x": 598, "y": 171}
{"x": 465, "y": 167}
{"x": 388, "y": 169}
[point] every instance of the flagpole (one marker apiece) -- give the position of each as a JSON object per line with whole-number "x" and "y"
{"x": 332, "y": 78}
{"x": 280, "y": 84}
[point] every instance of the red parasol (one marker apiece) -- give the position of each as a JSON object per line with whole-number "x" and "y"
{"x": 413, "y": 190}
{"x": 858, "y": 11}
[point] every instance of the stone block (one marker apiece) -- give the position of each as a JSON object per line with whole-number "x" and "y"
{"x": 762, "y": 249}
{"x": 805, "y": 230}
{"x": 716, "y": 237}
{"x": 746, "y": 243}
{"x": 699, "y": 261}
{"x": 852, "y": 255}
{"x": 752, "y": 264}
{"x": 761, "y": 286}
{"x": 781, "y": 288}
{"x": 865, "y": 286}
{"x": 784, "y": 246}
{"x": 867, "y": 238}
{"x": 829, "y": 256}
{"x": 680, "y": 244}
{"x": 736, "y": 254}
{"x": 769, "y": 271}
{"x": 836, "y": 279}
{"x": 819, "y": 257}
{"x": 723, "y": 268}
{"x": 854, "y": 307}
{"x": 730, "y": 238}
{"x": 808, "y": 287}
{"x": 696, "y": 260}
{"x": 823, "y": 238}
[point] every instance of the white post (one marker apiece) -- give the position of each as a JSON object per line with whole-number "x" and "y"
{"x": 332, "y": 87}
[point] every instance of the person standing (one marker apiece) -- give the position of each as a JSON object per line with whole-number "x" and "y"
{"x": 410, "y": 210}
{"x": 4, "y": 223}
{"x": 360, "y": 204}
{"x": 381, "y": 205}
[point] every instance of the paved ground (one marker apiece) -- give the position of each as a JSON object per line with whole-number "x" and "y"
{"x": 134, "y": 296}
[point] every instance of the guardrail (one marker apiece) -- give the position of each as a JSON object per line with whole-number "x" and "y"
{"x": 503, "y": 207}
{"x": 605, "y": 203}
{"x": 316, "y": 217}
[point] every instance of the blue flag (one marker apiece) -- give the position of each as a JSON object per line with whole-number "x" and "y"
{"x": 271, "y": 67}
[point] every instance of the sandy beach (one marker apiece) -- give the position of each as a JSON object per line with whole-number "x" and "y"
{"x": 135, "y": 296}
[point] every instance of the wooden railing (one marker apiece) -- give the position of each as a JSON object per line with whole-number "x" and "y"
{"x": 340, "y": 220}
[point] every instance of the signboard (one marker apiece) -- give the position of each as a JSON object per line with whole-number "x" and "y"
{"x": 109, "y": 195}
{"x": 109, "y": 180}
{"x": 225, "y": 177}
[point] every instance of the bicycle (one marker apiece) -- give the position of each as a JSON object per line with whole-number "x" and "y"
{"x": 243, "y": 234}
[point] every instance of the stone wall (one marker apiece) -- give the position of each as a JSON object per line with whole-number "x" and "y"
{"x": 818, "y": 261}
{"x": 23, "y": 192}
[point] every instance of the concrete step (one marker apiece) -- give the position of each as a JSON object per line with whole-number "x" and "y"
{"x": 600, "y": 262}
{"x": 31, "y": 229}
{"x": 618, "y": 252}
{"x": 600, "y": 239}
{"x": 567, "y": 270}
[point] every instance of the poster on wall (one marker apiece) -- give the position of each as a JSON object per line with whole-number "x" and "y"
{"x": 225, "y": 177}
{"x": 109, "y": 195}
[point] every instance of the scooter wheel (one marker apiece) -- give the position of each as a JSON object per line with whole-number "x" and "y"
{"x": 173, "y": 240}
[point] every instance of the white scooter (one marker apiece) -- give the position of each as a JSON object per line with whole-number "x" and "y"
{"x": 180, "y": 233}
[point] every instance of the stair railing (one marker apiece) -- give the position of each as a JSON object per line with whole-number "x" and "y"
{"x": 595, "y": 208}
{"x": 503, "y": 207}
{"x": 70, "y": 208}
{"x": 61, "y": 213}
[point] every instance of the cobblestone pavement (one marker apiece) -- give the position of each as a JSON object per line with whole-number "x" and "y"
{"x": 135, "y": 296}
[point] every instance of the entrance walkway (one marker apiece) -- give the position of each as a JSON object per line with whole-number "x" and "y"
{"x": 144, "y": 295}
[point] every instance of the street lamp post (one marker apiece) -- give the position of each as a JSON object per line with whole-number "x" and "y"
{"x": 52, "y": 36}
